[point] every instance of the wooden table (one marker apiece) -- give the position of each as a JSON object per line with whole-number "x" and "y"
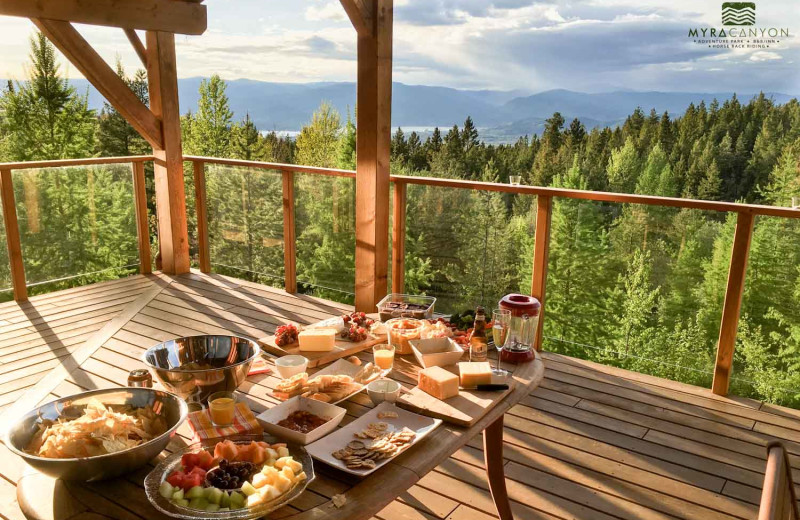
{"x": 41, "y": 497}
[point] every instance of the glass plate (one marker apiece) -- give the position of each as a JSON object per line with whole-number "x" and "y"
{"x": 169, "y": 464}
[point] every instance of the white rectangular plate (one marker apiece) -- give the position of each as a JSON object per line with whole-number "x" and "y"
{"x": 342, "y": 367}
{"x": 323, "y": 448}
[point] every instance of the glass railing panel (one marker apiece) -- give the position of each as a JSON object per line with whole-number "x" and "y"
{"x": 767, "y": 355}
{"x": 638, "y": 287}
{"x": 245, "y": 222}
{"x": 325, "y": 228}
{"x": 467, "y": 247}
{"x": 77, "y": 224}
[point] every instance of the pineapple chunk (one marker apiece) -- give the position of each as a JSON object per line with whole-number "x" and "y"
{"x": 260, "y": 480}
{"x": 281, "y": 462}
{"x": 288, "y": 473}
{"x": 283, "y": 483}
{"x": 300, "y": 476}
{"x": 295, "y": 465}
{"x": 254, "y": 500}
{"x": 269, "y": 493}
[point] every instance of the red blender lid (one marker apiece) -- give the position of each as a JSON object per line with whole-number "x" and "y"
{"x": 520, "y": 304}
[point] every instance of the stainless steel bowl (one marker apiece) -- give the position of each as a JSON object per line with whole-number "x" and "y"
{"x": 197, "y": 366}
{"x": 169, "y": 406}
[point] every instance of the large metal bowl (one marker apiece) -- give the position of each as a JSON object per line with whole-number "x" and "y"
{"x": 100, "y": 467}
{"x": 197, "y": 366}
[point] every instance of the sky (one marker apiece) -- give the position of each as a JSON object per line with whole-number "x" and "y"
{"x": 583, "y": 45}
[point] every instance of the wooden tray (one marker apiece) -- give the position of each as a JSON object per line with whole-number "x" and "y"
{"x": 469, "y": 406}
{"x": 341, "y": 349}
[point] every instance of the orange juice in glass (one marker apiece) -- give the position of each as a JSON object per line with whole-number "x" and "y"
{"x": 384, "y": 356}
{"x": 222, "y": 406}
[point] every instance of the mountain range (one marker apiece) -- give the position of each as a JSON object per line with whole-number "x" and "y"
{"x": 501, "y": 116}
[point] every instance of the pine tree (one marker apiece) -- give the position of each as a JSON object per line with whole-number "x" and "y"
{"x": 209, "y": 133}
{"x": 624, "y": 168}
{"x": 246, "y": 141}
{"x": 44, "y": 117}
{"x": 115, "y": 136}
{"x": 318, "y": 142}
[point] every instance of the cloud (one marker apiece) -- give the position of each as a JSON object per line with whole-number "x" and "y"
{"x": 331, "y": 10}
{"x": 504, "y": 44}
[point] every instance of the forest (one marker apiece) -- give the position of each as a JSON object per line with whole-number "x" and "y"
{"x": 639, "y": 287}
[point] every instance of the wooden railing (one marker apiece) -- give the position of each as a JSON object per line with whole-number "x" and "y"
{"x": 746, "y": 214}
{"x": 18, "y": 280}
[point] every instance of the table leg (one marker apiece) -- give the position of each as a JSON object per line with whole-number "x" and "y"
{"x": 493, "y": 455}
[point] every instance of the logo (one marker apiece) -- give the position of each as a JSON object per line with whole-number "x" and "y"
{"x": 738, "y": 13}
{"x": 738, "y": 30}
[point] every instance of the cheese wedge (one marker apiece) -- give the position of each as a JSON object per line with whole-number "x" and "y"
{"x": 318, "y": 340}
{"x": 438, "y": 382}
{"x": 475, "y": 373}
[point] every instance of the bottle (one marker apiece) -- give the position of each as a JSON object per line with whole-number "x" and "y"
{"x": 140, "y": 378}
{"x": 478, "y": 342}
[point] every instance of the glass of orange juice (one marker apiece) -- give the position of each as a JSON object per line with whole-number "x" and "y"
{"x": 384, "y": 356}
{"x": 222, "y": 407}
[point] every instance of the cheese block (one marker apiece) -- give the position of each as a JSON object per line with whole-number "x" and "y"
{"x": 475, "y": 373}
{"x": 317, "y": 340}
{"x": 438, "y": 382}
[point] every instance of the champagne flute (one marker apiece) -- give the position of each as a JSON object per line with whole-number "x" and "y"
{"x": 501, "y": 320}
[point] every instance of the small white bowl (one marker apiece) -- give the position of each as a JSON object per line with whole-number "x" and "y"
{"x": 436, "y": 352}
{"x": 269, "y": 419}
{"x": 382, "y": 390}
{"x": 288, "y": 366}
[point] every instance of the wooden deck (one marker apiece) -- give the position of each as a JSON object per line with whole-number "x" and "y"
{"x": 592, "y": 442}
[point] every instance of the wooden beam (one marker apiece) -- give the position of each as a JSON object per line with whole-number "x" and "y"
{"x": 373, "y": 141}
{"x": 541, "y": 257}
{"x": 137, "y": 44}
{"x": 201, "y": 209}
{"x": 142, "y": 225}
{"x": 103, "y": 78}
{"x": 12, "y": 236}
{"x": 399, "y": 237}
{"x": 733, "y": 302}
{"x": 361, "y": 14}
{"x": 154, "y": 15}
{"x": 168, "y": 163}
{"x": 289, "y": 234}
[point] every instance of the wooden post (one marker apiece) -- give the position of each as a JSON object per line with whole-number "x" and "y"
{"x": 374, "y": 102}
{"x": 201, "y": 207}
{"x": 733, "y": 302}
{"x": 142, "y": 227}
{"x": 541, "y": 255}
{"x": 12, "y": 236}
{"x": 168, "y": 164}
{"x": 289, "y": 235}
{"x": 399, "y": 237}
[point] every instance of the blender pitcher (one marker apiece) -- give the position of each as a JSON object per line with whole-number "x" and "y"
{"x": 521, "y": 338}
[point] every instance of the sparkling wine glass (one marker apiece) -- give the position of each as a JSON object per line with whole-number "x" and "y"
{"x": 501, "y": 319}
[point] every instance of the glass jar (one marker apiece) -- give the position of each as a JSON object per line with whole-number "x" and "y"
{"x": 401, "y": 331}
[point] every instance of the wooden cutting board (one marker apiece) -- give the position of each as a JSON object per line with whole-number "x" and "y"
{"x": 464, "y": 410}
{"x": 341, "y": 349}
